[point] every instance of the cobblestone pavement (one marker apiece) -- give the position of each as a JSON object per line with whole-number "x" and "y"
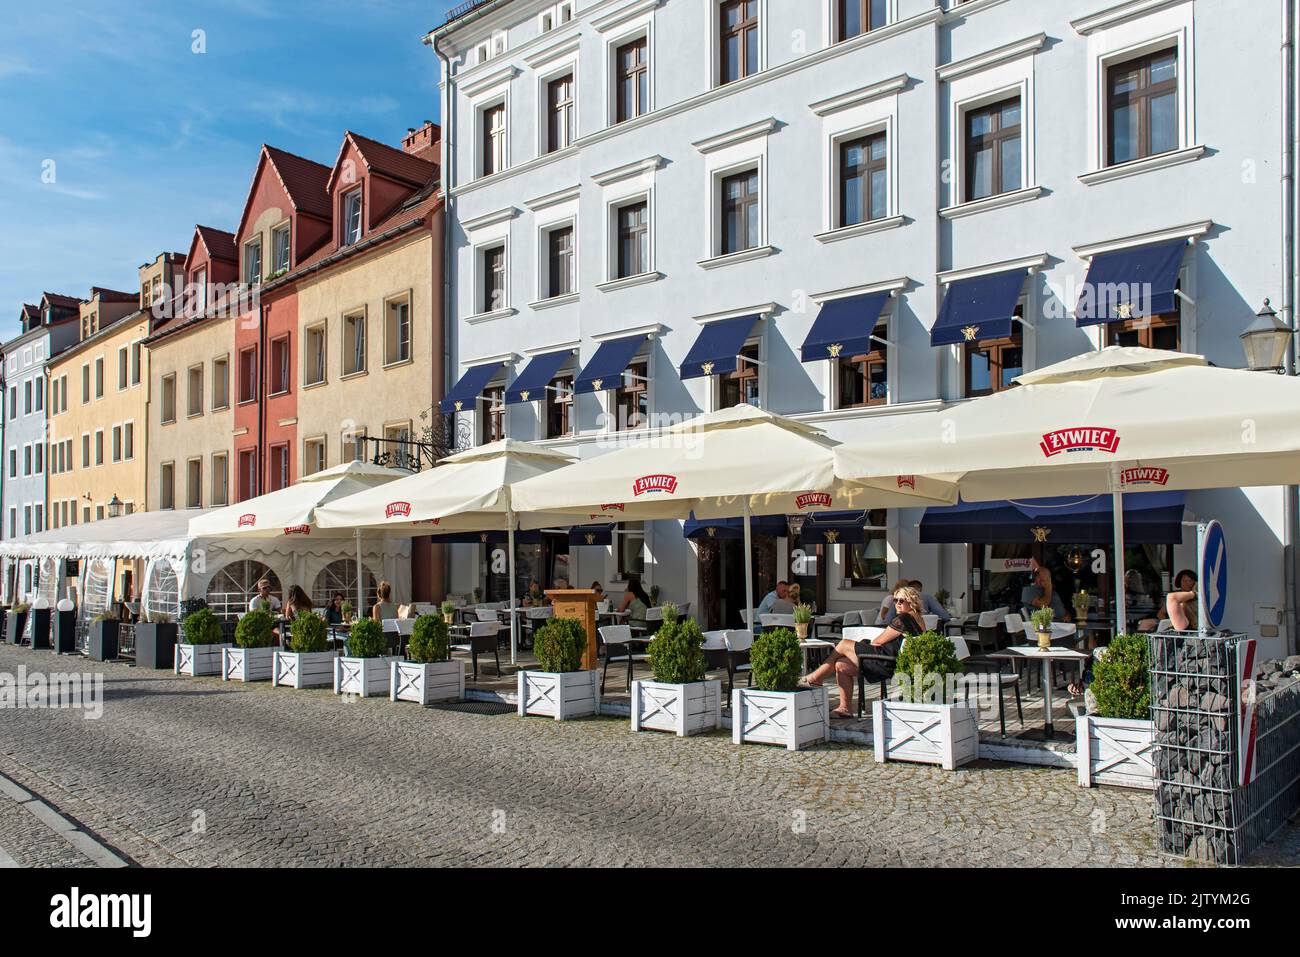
{"x": 193, "y": 771}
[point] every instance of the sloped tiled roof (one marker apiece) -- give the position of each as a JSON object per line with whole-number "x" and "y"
{"x": 29, "y": 310}
{"x": 219, "y": 243}
{"x": 58, "y": 299}
{"x": 304, "y": 180}
{"x": 113, "y": 295}
{"x": 417, "y": 208}
{"x": 387, "y": 161}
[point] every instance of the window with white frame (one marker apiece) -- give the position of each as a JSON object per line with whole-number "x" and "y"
{"x": 220, "y": 479}
{"x": 557, "y": 16}
{"x": 1142, "y": 106}
{"x": 558, "y": 273}
{"x": 128, "y": 440}
{"x": 739, "y": 211}
{"x": 123, "y": 367}
{"x": 194, "y": 391}
{"x": 397, "y": 329}
{"x": 253, "y": 261}
{"x": 992, "y": 136}
{"x": 167, "y": 485}
{"x": 630, "y": 227}
{"x": 493, "y": 153}
{"x": 280, "y": 249}
{"x": 738, "y": 33}
{"x": 631, "y": 79}
{"x": 354, "y": 343}
{"x": 351, "y": 225}
{"x": 313, "y": 455}
{"x": 744, "y": 385}
{"x": 313, "y": 354}
{"x": 862, "y": 178}
{"x": 168, "y": 398}
{"x": 194, "y": 483}
{"x": 856, "y": 17}
{"x": 492, "y": 292}
{"x": 561, "y": 120}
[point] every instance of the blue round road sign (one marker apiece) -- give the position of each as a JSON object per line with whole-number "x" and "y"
{"x": 1214, "y": 575}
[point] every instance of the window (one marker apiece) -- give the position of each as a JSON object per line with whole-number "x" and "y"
{"x": 313, "y": 456}
{"x": 220, "y": 479}
{"x": 740, "y": 387}
{"x": 99, "y": 378}
{"x": 13, "y": 398}
{"x": 1142, "y": 107}
{"x": 13, "y": 463}
{"x": 868, "y": 563}
{"x": 351, "y": 218}
{"x": 117, "y": 443}
{"x": 633, "y": 257}
{"x": 128, "y": 441}
{"x": 280, "y": 249}
{"x": 123, "y": 367}
{"x": 397, "y": 330}
{"x": 560, "y": 113}
{"x": 993, "y": 150}
{"x": 85, "y": 450}
{"x": 200, "y": 285}
{"x": 279, "y": 477}
{"x": 559, "y": 262}
{"x": 632, "y": 399}
{"x": 38, "y": 393}
{"x": 350, "y": 445}
{"x": 280, "y": 365}
{"x": 167, "y": 485}
{"x": 399, "y": 444}
{"x": 864, "y": 378}
{"x": 194, "y": 391}
{"x": 137, "y": 354}
{"x": 85, "y": 384}
{"x": 992, "y": 366}
{"x": 247, "y": 474}
{"x": 1150, "y": 332}
{"x": 168, "y": 398}
{"x": 27, "y": 529}
{"x": 221, "y": 383}
{"x": 493, "y": 274}
{"x": 494, "y": 139}
{"x": 630, "y": 546}
{"x": 737, "y": 39}
{"x": 740, "y": 222}
{"x": 194, "y": 483}
{"x": 248, "y": 375}
{"x": 313, "y": 372}
{"x": 253, "y": 261}
{"x": 99, "y": 446}
{"x": 494, "y": 414}
{"x": 27, "y": 397}
{"x": 354, "y": 343}
{"x": 27, "y": 460}
{"x": 559, "y": 407}
{"x": 856, "y": 17}
{"x": 40, "y": 517}
{"x": 864, "y": 179}
{"x": 631, "y": 80}
{"x": 38, "y": 456}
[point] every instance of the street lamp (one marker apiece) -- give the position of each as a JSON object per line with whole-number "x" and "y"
{"x": 115, "y": 507}
{"x": 1266, "y": 341}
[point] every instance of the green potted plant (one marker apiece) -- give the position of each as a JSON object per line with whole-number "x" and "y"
{"x": 101, "y": 645}
{"x": 478, "y": 595}
{"x": 448, "y": 608}
{"x": 16, "y": 622}
{"x": 1115, "y": 742}
{"x": 253, "y": 657}
{"x": 1042, "y": 619}
{"x": 679, "y": 699}
{"x": 923, "y": 720}
{"x": 560, "y": 688}
{"x": 200, "y": 652}
{"x": 364, "y": 670}
{"x": 1081, "y": 600}
{"x": 776, "y": 710}
{"x": 803, "y": 616}
{"x": 155, "y": 641}
{"x": 942, "y": 596}
{"x": 308, "y": 662}
{"x": 346, "y": 610}
{"x": 428, "y": 673}
{"x": 654, "y": 596}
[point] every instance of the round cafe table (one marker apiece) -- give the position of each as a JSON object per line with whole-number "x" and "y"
{"x": 1047, "y": 657}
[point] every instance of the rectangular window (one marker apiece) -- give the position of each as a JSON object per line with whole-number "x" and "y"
{"x": 494, "y": 279}
{"x": 993, "y": 150}
{"x": 38, "y": 393}
{"x": 194, "y": 483}
{"x": 85, "y": 450}
{"x": 559, "y": 407}
{"x": 313, "y": 344}
{"x": 280, "y": 365}
{"x": 38, "y": 454}
{"x": 1150, "y": 332}
{"x": 632, "y": 399}
{"x": 856, "y": 17}
{"x": 99, "y": 378}
{"x": 494, "y": 414}
{"x": 740, "y": 214}
{"x": 352, "y": 217}
{"x": 631, "y": 80}
{"x": 868, "y": 563}
{"x": 633, "y": 239}
{"x": 280, "y": 249}
{"x": 247, "y": 474}
{"x": 864, "y": 179}
{"x": 397, "y": 330}
{"x": 350, "y": 445}
{"x": 13, "y": 398}
{"x": 741, "y": 387}
{"x": 123, "y": 367}
{"x": 167, "y": 485}
{"x": 1142, "y": 107}
{"x": 354, "y": 343}
{"x": 199, "y": 285}
{"x": 99, "y": 446}
{"x": 128, "y": 441}
{"x": 992, "y": 365}
{"x": 399, "y": 445}
{"x": 560, "y": 113}
{"x": 629, "y": 538}
{"x": 253, "y": 261}
{"x": 27, "y": 397}
{"x": 559, "y": 261}
{"x": 194, "y": 391}
{"x": 117, "y": 443}
{"x": 279, "y": 477}
{"x": 168, "y": 398}
{"x": 494, "y": 139}
{"x": 248, "y": 375}
{"x": 137, "y": 354}
{"x": 313, "y": 456}
{"x": 737, "y": 39}
{"x": 221, "y": 383}
{"x": 220, "y": 479}
{"x": 864, "y": 378}
{"x": 27, "y": 460}
{"x": 85, "y": 384}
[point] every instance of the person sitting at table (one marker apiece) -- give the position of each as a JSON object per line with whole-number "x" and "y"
{"x": 384, "y": 608}
{"x": 635, "y": 602}
{"x": 264, "y": 600}
{"x": 334, "y": 610}
{"x": 885, "y": 613}
{"x": 930, "y": 605}
{"x": 1181, "y": 603}
{"x": 843, "y": 661}
{"x": 599, "y": 590}
{"x": 781, "y": 593}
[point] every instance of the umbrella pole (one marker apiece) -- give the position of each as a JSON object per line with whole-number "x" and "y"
{"x": 510, "y": 560}
{"x": 1121, "y": 602}
{"x": 361, "y": 598}
{"x": 749, "y": 574}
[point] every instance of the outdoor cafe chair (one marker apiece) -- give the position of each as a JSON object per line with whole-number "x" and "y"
{"x": 882, "y": 664}
{"x": 931, "y": 622}
{"x": 739, "y": 641}
{"x": 427, "y": 608}
{"x": 486, "y": 614}
{"x": 776, "y": 621}
{"x": 714, "y": 647}
{"x": 986, "y": 631}
{"x": 620, "y": 646}
{"x": 977, "y": 665}
{"x": 533, "y": 619}
{"x": 482, "y": 640}
{"x": 398, "y": 629}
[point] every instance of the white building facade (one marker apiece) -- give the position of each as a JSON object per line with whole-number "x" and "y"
{"x": 844, "y": 209}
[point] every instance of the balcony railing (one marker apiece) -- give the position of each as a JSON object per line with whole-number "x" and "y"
{"x": 398, "y": 453}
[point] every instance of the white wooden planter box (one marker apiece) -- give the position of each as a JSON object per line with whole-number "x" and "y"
{"x": 362, "y": 676}
{"x": 683, "y": 709}
{"x": 1115, "y": 751}
{"x": 426, "y": 683}
{"x": 795, "y": 719}
{"x": 570, "y": 694}
{"x": 195, "y": 660}
{"x": 944, "y": 734}
{"x": 312, "y": 669}
{"x": 247, "y": 664}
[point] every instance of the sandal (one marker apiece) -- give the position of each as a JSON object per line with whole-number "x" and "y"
{"x": 848, "y": 715}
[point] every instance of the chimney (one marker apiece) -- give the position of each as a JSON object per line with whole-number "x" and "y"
{"x": 424, "y": 142}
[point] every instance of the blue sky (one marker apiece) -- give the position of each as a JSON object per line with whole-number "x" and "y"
{"x": 148, "y": 138}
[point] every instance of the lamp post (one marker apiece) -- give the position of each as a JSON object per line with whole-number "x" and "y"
{"x": 115, "y": 507}
{"x": 1266, "y": 341}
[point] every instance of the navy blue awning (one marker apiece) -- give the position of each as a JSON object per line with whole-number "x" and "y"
{"x": 1131, "y": 283}
{"x": 1150, "y": 518}
{"x": 591, "y": 535}
{"x": 834, "y": 528}
{"x": 464, "y": 394}
{"x": 978, "y": 308}
{"x": 844, "y": 327}
{"x": 606, "y": 368}
{"x": 495, "y": 537}
{"x": 530, "y": 385}
{"x": 715, "y": 351}
{"x": 730, "y": 529}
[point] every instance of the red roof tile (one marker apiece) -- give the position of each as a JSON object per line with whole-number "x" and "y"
{"x": 304, "y": 180}
{"x": 219, "y": 243}
{"x": 58, "y": 299}
{"x": 416, "y": 209}
{"x": 387, "y": 161}
{"x": 113, "y": 295}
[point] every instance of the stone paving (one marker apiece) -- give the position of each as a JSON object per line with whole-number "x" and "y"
{"x": 196, "y": 772}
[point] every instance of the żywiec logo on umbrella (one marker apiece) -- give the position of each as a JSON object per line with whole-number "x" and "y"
{"x": 1086, "y": 439}
{"x": 1147, "y": 475}
{"x": 298, "y": 530}
{"x": 648, "y": 484}
{"x": 907, "y": 481}
{"x": 812, "y": 500}
{"x": 247, "y": 520}
{"x": 396, "y": 509}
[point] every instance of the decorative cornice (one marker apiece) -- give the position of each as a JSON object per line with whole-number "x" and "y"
{"x": 627, "y": 170}
{"x": 555, "y": 51}
{"x": 1191, "y": 232}
{"x": 571, "y": 346}
{"x": 865, "y": 94}
{"x": 762, "y": 309}
{"x": 640, "y": 279}
{"x": 555, "y": 198}
{"x": 744, "y": 256}
{"x": 504, "y": 358}
{"x": 490, "y": 219}
{"x": 1028, "y": 263}
{"x": 649, "y": 331}
{"x": 1120, "y": 13}
{"x": 998, "y": 201}
{"x": 612, "y": 21}
{"x": 860, "y": 229}
{"x": 991, "y": 58}
{"x": 1146, "y": 165}
{"x": 740, "y": 135}
{"x": 489, "y": 80}
{"x": 891, "y": 286}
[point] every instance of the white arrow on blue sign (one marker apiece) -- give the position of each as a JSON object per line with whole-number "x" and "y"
{"x": 1214, "y": 575}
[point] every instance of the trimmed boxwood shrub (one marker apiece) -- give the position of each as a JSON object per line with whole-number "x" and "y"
{"x": 429, "y": 641}
{"x": 366, "y": 639}
{"x": 928, "y": 653}
{"x": 255, "y": 630}
{"x": 1120, "y": 680}
{"x": 308, "y": 633}
{"x": 776, "y": 660}
{"x": 676, "y": 657}
{"x": 202, "y": 628}
{"x": 559, "y": 645}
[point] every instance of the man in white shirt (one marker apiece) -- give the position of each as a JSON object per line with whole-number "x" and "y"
{"x": 778, "y": 594}
{"x": 264, "y": 600}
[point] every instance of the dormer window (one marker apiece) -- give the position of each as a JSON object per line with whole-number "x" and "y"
{"x": 351, "y": 218}
{"x": 280, "y": 249}
{"x": 253, "y": 261}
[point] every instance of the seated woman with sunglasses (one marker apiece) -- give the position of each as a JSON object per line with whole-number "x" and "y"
{"x": 906, "y": 622}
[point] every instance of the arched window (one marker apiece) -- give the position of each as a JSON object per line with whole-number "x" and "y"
{"x": 341, "y": 576}
{"x": 233, "y": 587}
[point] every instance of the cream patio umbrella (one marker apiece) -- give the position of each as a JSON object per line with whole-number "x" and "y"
{"x": 740, "y": 459}
{"x": 469, "y": 491}
{"x": 1118, "y": 420}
